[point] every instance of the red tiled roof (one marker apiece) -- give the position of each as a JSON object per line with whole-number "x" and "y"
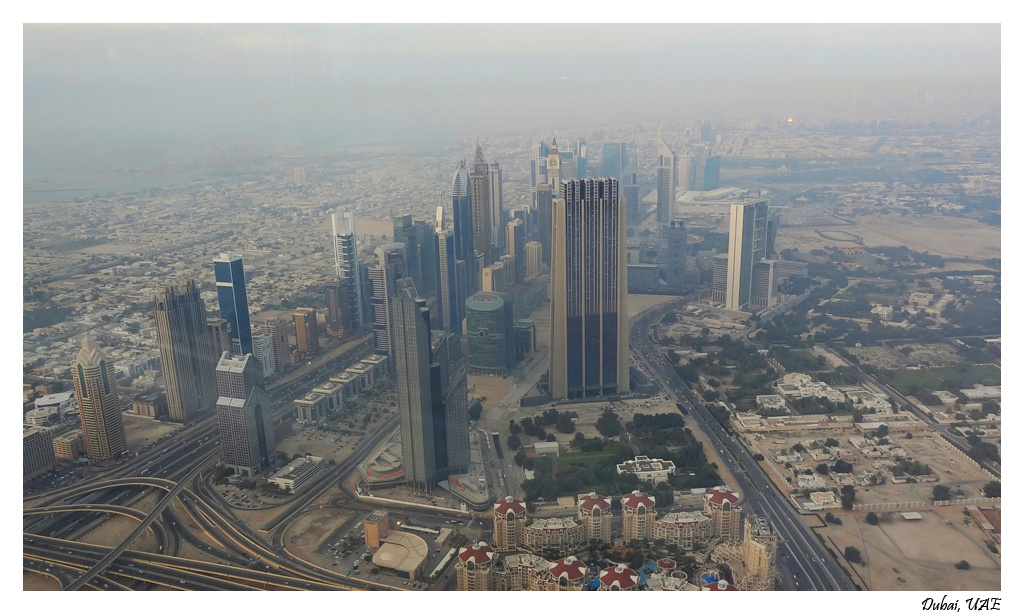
{"x": 478, "y": 553}
{"x": 571, "y": 568}
{"x": 719, "y": 495}
{"x": 636, "y": 498}
{"x": 721, "y": 585}
{"x": 508, "y": 504}
{"x": 623, "y": 576}
{"x": 666, "y": 564}
{"x": 592, "y": 500}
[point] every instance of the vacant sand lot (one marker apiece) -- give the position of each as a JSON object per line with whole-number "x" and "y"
{"x": 921, "y": 552}
{"x": 142, "y": 431}
{"x": 310, "y": 530}
{"x": 639, "y": 302}
{"x": 936, "y": 234}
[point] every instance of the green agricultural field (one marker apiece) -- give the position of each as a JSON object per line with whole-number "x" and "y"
{"x": 935, "y": 377}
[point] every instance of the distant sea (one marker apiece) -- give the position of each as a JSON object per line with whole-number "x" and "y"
{"x": 51, "y": 189}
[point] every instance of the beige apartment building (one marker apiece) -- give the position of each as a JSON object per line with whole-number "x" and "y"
{"x": 509, "y": 524}
{"x": 595, "y": 514}
{"x": 638, "y": 516}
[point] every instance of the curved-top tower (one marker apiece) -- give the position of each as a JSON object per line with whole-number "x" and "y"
{"x": 99, "y": 402}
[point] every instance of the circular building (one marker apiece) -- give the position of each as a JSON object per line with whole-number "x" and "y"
{"x": 618, "y": 578}
{"x": 666, "y": 566}
{"x": 568, "y": 574}
{"x": 402, "y": 552}
{"x": 490, "y": 332}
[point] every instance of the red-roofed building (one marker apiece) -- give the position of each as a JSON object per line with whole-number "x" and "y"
{"x": 638, "y": 516}
{"x": 721, "y": 585}
{"x": 474, "y": 571}
{"x": 618, "y": 578}
{"x": 720, "y": 506}
{"x": 595, "y": 514}
{"x": 509, "y": 524}
{"x": 568, "y": 574}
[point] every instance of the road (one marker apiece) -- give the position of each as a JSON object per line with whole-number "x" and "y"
{"x": 801, "y": 558}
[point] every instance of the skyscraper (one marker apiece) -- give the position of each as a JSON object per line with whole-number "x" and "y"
{"x": 220, "y": 335}
{"x": 748, "y": 230}
{"x": 334, "y": 298}
{"x": 631, "y": 193}
{"x": 234, "y": 305}
{"x": 515, "y": 243}
{"x": 263, "y": 351}
{"x": 462, "y": 216}
{"x": 99, "y": 403}
{"x": 589, "y": 342}
{"x": 447, "y": 287}
{"x": 390, "y": 267}
{"x": 544, "y": 198}
{"x": 498, "y": 218}
{"x": 675, "y": 271}
{"x": 613, "y": 160}
{"x": 538, "y": 169}
{"x": 425, "y": 383}
{"x": 307, "y": 333}
{"x": 554, "y": 167}
{"x": 666, "y": 182}
{"x": 246, "y": 430}
{"x": 404, "y": 232}
{"x": 489, "y": 332}
{"x": 427, "y": 246}
{"x": 480, "y": 195}
{"x": 277, "y": 329}
{"x": 346, "y": 263}
{"x": 186, "y": 355}
{"x": 533, "y": 258}
{"x": 580, "y": 158}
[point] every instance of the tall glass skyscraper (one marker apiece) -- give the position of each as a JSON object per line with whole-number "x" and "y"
{"x": 589, "y": 342}
{"x": 346, "y": 266}
{"x": 748, "y": 242}
{"x": 234, "y": 305}
{"x": 462, "y": 217}
{"x": 447, "y": 286}
{"x": 666, "y": 182}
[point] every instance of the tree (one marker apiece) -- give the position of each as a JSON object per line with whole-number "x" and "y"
{"x": 797, "y": 447}
{"x": 514, "y": 442}
{"x": 842, "y": 466}
{"x": 822, "y": 468}
{"x": 514, "y": 428}
{"x": 882, "y": 431}
{"x": 940, "y": 493}
{"x": 846, "y": 496}
{"x": 872, "y": 518}
{"x": 831, "y": 443}
{"x": 962, "y": 565}
{"x": 475, "y": 411}
{"x": 852, "y": 554}
{"x": 759, "y": 457}
{"x": 608, "y": 424}
{"x": 992, "y": 489}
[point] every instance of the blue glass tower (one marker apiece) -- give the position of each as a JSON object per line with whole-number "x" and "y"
{"x": 234, "y": 305}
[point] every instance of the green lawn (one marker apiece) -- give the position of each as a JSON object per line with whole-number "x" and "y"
{"x": 932, "y": 378}
{"x": 800, "y": 360}
{"x": 590, "y": 459}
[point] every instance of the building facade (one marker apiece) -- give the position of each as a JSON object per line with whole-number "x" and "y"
{"x": 534, "y": 255}
{"x": 246, "y": 428}
{"x": 447, "y": 276}
{"x": 277, "y": 328}
{"x": 490, "y": 333}
{"x": 307, "y": 331}
{"x": 509, "y": 524}
{"x": 263, "y": 351}
{"x": 595, "y": 514}
{"x": 748, "y": 240}
{"x": 589, "y": 336}
{"x": 666, "y": 182}
{"x": 556, "y": 537}
{"x": 675, "y": 268}
{"x": 684, "y": 529}
{"x": 99, "y": 403}
{"x": 234, "y": 303}
{"x": 474, "y": 571}
{"x": 186, "y": 355}
{"x": 37, "y": 448}
{"x": 515, "y": 246}
{"x": 390, "y": 267}
{"x": 638, "y": 516}
{"x": 346, "y": 267}
{"x": 720, "y": 506}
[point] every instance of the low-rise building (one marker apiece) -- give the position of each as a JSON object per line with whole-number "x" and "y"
{"x": 299, "y": 474}
{"x": 151, "y": 405}
{"x": 334, "y": 393}
{"x": 770, "y": 401}
{"x": 554, "y": 537}
{"x": 311, "y": 408}
{"x": 683, "y": 529}
{"x": 402, "y": 553}
{"x": 652, "y": 470}
{"x": 375, "y": 527}
{"x": 40, "y": 417}
{"x": 69, "y": 446}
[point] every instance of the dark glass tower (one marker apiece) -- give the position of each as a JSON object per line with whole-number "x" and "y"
{"x": 234, "y": 305}
{"x": 462, "y": 214}
{"x": 589, "y": 344}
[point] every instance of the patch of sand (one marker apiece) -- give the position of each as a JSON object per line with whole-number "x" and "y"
{"x": 32, "y": 581}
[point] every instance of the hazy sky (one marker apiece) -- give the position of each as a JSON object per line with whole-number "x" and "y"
{"x": 93, "y": 91}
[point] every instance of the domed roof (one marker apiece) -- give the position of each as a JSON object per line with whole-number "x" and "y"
{"x": 570, "y": 568}
{"x": 479, "y": 554}
{"x": 592, "y": 500}
{"x": 721, "y": 494}
{"x": 509, "y": 504}
{"x": 637, "y": 499}
{"x": 620, "y": 576}
{"x": 91, "y": 354}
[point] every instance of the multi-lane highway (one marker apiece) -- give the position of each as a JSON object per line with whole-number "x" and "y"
{"x": 804, "y": 562}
